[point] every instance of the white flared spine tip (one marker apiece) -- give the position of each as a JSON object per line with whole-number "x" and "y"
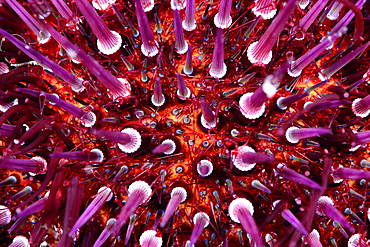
{"x": 289, "y": 135}
{"x": 171, "y": 144}
{"x": 323, "y": 200}
{"x": 107, "y": 193}
{"x": 20, "y": 241}
{"x": 218, "y": 73}
{"x": 313, "y": 239}
{"x": 335, "y": 11}
{"x": 359, "y": 110}
{"x": 148, "y": 5}
{"x": 238, "y": 204}
{"x": 4, "y": 68}
{"x": 248, "y": 111}
{"x": 293, "y": 72}
{"x": 111, "y": 46}
{"x": 188, "y": 26}
{"x": 149, "y": 50}
{"x": 357, "y": 241}
{"x": 186, "y": 96}
{"x": 135, "y": 141}
{"x": 143, "y": 187}
{"x": 266, "y": 13}
{"x": 178, "y": 4}
{"x": 42, "y": 162}
{"x": 204, "y": 168}
{"x": 181, "y": 192}
{"x": 5, "y": 106}
{"x": 127, "y": 85}
{"x": 96, "y": 155}
{"x": 149, "y": 239}
{"x": 102, "y": 4}
{"x": 201, "y": 216}
{"x": 268, "y": 88}
{"x": 206, "y": 124}
{"x": 323, "y": 76}
{"x": 78, "y": 86}
{"x": 182, "y": 49}
{"x": 238, "y": 161}
{"x": 279, "y": 103}
{"x": 223, "y": 24}
{"x": 89, "y": 119}
{"x": 5, "y": 215}
{"x": 160, "y": 103}
{"x": 303, "y": 3}
{"x": 44, "y": 39}
{"x": 254, "y": 59}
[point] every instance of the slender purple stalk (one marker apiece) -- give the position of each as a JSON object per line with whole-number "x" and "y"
{"x": 183, "y": 92}
{"x": 265, "y": 8}
{"x": 328, "y": 72}
{"x": 323, "y": 105}
{"x": 166, "y": 147}
{"x": 208, "y": 118}
{"x": 252, "y": 157}
{"x": 104, "y": 235}
{"x": 294, "y": 134}
{"x": 259, "y": 52}
{"x": 180, "y": 44}
{"x": 95, "y": 155}
{"x": 223, "y": 18}
{"x": 42, "y": 35}
{"x": 284, "y": 102}
{"x": 292, "y": 219}
{"x": 325, "y": 207}
{"x": 108, "y": 41}
{"x": 296, "y": 177}
{"x": 350, "y": 173}
{"x": 117, "y": 87}
{"x": 188, "y": 68}
{"x": 335, "y": 10}
{"x": 104, "y": 194}
{"x": 218, "y": 67}
{"x": 8, "y": 181}
{"x": 298, "y": 65}
{"x": 65, "y": 12}
{"x": 346, "y": 19}
{"x": 311, "y": 16}
{"x": 258, "y": 185}
{"x": 189, "y": 23}
{"x": 201, "y": 221}
{"x": 139, "y": 192}
{"x": 178, "y": 195}
{"x": 26, "y": 191}
{"x": 35, "y": 165}
{"x": 158, "y": 98}
{"x": 75, "y": 83}
{"x": 149, "y": 46}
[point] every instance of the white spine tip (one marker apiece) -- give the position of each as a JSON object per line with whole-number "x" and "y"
{"x": 188, "y": 26}
{"x": 247, "y": 110}
{"x": 218, "y": 73}
{"x": 201, "y": 216}
{"x": 149, "y": 50}
{"x": 112, "y": 46}
{"x": 19, "y": 241}
{"x": 160, "y": 103}
{"x": 181, "y": 192}
{"x": 143, "y": 187}
{"x": 149, "y": 239}
{"x": 182, "y": 49}
{"x": 289, "y": 135}
{"x": 254, "y": 58}
{"x": 135, "y": 141}
{"x": 238, "y": 161}
{"x": 89, "y": 119}
{"x": 5, "y": 215}
{"x": 204, "y": 168}
{"x": 238, "y": 204}
{"x": 222, "y": 23}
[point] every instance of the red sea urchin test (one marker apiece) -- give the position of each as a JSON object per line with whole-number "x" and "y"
{"x": 184, "y": 123}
